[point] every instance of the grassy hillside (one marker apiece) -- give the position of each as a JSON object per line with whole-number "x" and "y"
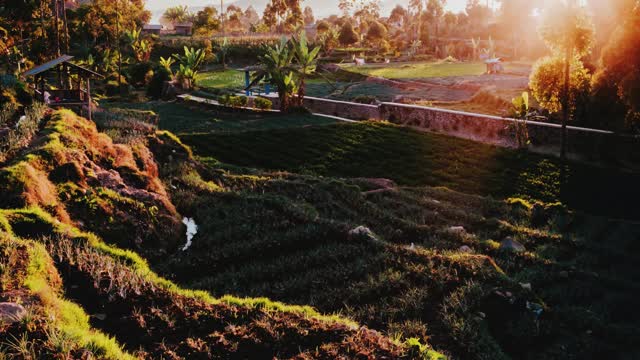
{"x": 413, "y": 158}
{"x": 431, "y": 266}
{"x": 73, "y": 180}
{"x": 293, "y": 237}
{"x": 418, "y": 264}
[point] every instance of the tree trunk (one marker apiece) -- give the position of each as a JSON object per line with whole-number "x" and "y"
{"x": 565, "y": 103}
{"x": 56, "y": 31}
{"x": 67, "y": 40}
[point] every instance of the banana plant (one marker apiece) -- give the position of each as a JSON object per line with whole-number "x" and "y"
{"x": 475, "y": 44}
{"x": 277, "y": 67}
{"x": 141, "y": 48}
{"x": 190, "y": 63}
{"x": 187, "y": 75}
{"x": 167, "y": 63}
{"x": 223, "y": 52}
{"x": 192, "y": 58}
{"x": 306, "y": 62}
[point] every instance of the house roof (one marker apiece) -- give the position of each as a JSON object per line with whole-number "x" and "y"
{"x": 64, "y": 59}
{"x": 187, "y": 24}
{"x": 153, "y": 27}
{"x": 48, "y": 65}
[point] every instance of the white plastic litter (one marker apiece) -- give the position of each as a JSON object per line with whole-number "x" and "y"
{"x": 192, "y": 230}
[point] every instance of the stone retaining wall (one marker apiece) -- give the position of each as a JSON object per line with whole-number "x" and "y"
{"x": 343, "y": 109}
{"x": 583, "y": 144}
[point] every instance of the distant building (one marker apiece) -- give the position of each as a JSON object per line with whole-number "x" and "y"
{"x": 152, "y": 29}
{"x": 184, "y": 29}
{"x": 311, "y": 30}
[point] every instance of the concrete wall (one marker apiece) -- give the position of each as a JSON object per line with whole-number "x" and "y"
{"x": 348, "y": 110}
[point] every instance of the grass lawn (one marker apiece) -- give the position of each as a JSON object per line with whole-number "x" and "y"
{"x": 221, "y": 79}
{"x": 183, "y": 119}
{"x": 426, "y": 69}
{"x": 376, "y": 150}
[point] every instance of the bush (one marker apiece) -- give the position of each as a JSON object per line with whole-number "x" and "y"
{"x": 262, "y": 103}
{"x": 160, "y": 76}
{"x": 224, "y": 100}
{"x": 233, "y": 101}
{"x": 239, "y": 101}
{"x": 365, "y": 99}
{"x": 139, "y": 74}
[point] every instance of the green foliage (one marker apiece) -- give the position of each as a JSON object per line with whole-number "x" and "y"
{"x": 376, "y": 32}
{"x": 521, "y": 114}
{"x": 616, "y": 95}
{"x": 233, "y": 101}
{"x": 547, "y": 85}
{"x": 348, "y": 35}
{"x": 140, "y": 73}
{"x": 160, "y": 76}
{"x": 190, "y": 63}
{"x": 564, "y": 27}
{"x": 262, "y": 103}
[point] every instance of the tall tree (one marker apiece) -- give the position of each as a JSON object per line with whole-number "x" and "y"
{"x": 569, "y": 33}
{"x": 309, "y": 19}
{"x": 617, "y": 83}
{"x": 284, "y": 15}
{"x": 176, "y": 14}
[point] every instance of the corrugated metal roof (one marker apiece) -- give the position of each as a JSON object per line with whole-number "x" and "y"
{"x": 61, "y": 60}
{"x": 48, "y": 66}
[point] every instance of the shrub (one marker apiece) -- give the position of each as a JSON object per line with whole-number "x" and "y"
{"x": 262, "y": 103}
{"x": 347, "y": 36}
{"x": 160, "y": 76}
{"x": 233, "y": 101}
{"x": 224, "y": 100}
{"x": 365, "y": 99}
{"x": 239, "y": 101}
{"x": 139, "y": 73}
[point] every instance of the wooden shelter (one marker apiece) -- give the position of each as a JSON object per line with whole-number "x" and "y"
{"x": 70, "y": 90}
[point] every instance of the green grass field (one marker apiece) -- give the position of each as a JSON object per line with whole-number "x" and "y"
{"x": 426, "y": 69}
{"x": 376, "y": 150}
{"x": 183, "y": 119}
{"x": 288, "y": 236}
{"x": 221, "y": 79}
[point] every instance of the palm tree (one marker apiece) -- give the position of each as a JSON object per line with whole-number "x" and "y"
{"x": 306, "y": 62}
{"x": 176, "y": 14}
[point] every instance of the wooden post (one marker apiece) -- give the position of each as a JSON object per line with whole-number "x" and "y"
{"x": 89, "y": 96}
{"x": 247, "y": 82}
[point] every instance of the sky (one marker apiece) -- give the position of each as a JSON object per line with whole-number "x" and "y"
{"x": 317, "y": 5}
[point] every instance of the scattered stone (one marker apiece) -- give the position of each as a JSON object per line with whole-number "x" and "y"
{"x": 457, "y": 229}
{"x": 363, "y": 232}
{"x": 526, "y": 286}
{"x": 11, "y": 313}
{"x": 465, "y": 249}
{"x": 510, "y": 245}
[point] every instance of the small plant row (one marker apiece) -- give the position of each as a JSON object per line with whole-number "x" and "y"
{"x": 19, "y": 136}
{"x": 241, "y": 101}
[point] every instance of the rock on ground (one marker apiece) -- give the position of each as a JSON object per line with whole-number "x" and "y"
{"x": 11, "y": 313}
